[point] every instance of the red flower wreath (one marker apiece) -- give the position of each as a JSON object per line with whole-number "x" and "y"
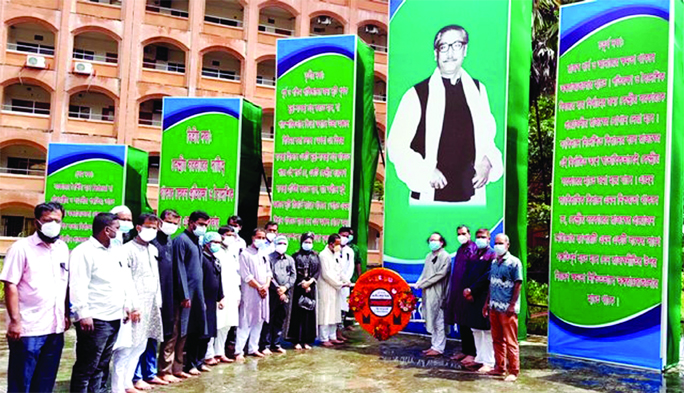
{"x": 407, "y": 301}
{"x": 381, "y": 331}
{"x": 357, "y": 300}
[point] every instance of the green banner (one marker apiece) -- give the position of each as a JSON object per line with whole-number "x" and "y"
{"x": 90, "y": 179}
{"x": 614, "y": 225}
{"x": 200, "y": 157}
{"x": 322, "y": 97}
{"x": 457, "y": 127}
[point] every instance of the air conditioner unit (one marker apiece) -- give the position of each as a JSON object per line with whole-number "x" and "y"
{"x": 82, "y": 67}
{"x": 370, "y": 29}
{"x": 324, "y": 20}
{"x": 34, "y": 61}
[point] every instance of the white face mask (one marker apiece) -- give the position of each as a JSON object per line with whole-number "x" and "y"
{"x": 125, "y": 226}
{"x": 169, "y": 228}
{"x": 259, "y": 243}
{"x": 481, "y": 243}
{"x": 344, "y": 240}
{"x": 50, "y": 229}
{"x": 229, "y": 240}
{"x": 307, "y": 246}
{"x": 500, "y": 249}
{"x": 119, "y": 237}
{"x": 148, "y": 234}
{"x": 237, "y": 229}
{"x": 270, "y": 236}
{"x": 281, "y": 248}
{"x": 463, "y": 239}
{"x": 200, "y": 230}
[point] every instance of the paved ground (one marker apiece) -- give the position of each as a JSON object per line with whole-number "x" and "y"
{"x": 368, "y": 366}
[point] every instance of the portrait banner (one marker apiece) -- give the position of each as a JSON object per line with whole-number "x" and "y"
{"x": 200, "y": 157}
{"x": 458, "y": 90}
{"x": 616, "y": 223}
{"x": 326, "y": 148}
{"x": 89, "y": 179}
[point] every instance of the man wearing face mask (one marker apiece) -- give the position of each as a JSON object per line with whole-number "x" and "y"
{"x": 133, "y": 339}
{"x": 455, "y": 302}
{"x": 503, "y": 306}
{"x": 279, "y": 295}
{"x": 347, "y": 261}
{"x": 174, "y": 286}
{"x": 125, "y": 217}
{"x": 476, "y": 287}
{"x": 433, "y": 282}
{"x": 271, "y": 233}
{"x": 36, "y": 278}
{"x": 256, "y": 275}
{"x": 188, "y": 253}
{"x": 236, "y": 223}
{"x": 329, "y": 287}
{"x": 100, "y": 294}
{"x": 226, "y": 316}
{"x": 196, "y": 346}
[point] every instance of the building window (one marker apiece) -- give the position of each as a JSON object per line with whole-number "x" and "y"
{"x": 79, "y": 112}
{"x": 82, "y": 54}
{"x": 15, "y": 226}
{"x": 153, "y": 169}
{"x": 25, "y": 106}
{"x": 25, "y": 166}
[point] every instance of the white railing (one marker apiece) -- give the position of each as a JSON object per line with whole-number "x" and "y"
{"x": 380, "y": 97}
{"x": 169, "y": 67}
{"x": 98, "y": 58}
{"x": 23, "y": 171}
{"x": 275, "y": 30}
{"x": 110, "y": 2}
{"x": 219, "y": 20}
{"x": 91, "y": 116}
{"x": 31, "y": 48}
{"x": 166, "y": 11}
{"x": 147, "y": 122}
{"x": 267, "y": 135}
{"x": 25, "y": 109}
{"x": 261, "y": 81}
{"x": 220, "y": 74}
{"x": 378, "y": 48}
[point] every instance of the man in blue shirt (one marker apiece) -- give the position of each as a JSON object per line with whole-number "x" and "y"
{"x": 503, "y": 306}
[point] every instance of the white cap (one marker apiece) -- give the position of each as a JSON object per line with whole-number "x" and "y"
{"x": 121, "y": 209}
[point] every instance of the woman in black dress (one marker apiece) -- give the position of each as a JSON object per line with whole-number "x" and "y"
{"x": 302, "y": 327}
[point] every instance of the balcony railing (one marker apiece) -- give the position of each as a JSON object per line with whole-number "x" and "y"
{"x": 26, "y": 109}
{"x": 149, "y": 122}
{"x": 91, "y": 116}
{"x": 98, "y": 58}
{"x": 23, "y": 171}
{"x": 267, "y": 135}
{"x": 31, "y": 48}
{"x": 169, "y": 67}
{"x": 263, "y": 81}
{"x": 110, "y": 2}
{"x": 220, "y": 74}
{"x": 166, "y": 11}
{"x": 275, "y": 30}
{"x": 380, "y": 97}
{"x": 378, "y": 48}
{"x": 223, "y": 21}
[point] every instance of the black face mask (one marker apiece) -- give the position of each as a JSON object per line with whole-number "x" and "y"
{"x": 46, "y": 239}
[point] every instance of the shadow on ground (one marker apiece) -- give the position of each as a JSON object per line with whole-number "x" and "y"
{"x": 366, "y": 365}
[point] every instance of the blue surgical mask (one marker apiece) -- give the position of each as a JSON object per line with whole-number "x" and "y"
{"x": 307, "y": 246}
{"x": 481, "y": 243}
{"x": 125, "y": 226}
{"x": 500, "y": 249}
{"x": 214, "y": 247}
{"x": 435, "y": 245}
{"x": 351, "y": 237}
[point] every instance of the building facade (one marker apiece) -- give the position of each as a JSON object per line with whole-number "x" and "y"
{"x": 95, "y": 71}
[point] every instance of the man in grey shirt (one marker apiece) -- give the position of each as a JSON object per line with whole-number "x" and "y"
{"x": 280, "y": 293}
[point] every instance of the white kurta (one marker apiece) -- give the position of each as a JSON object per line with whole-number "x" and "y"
{"x": 230, "y": 278}
{"x": 347, "y": 263}
{"x": 329, "y": 286}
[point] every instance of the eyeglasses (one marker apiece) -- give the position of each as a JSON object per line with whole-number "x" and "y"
{"x": 444, "y": 48}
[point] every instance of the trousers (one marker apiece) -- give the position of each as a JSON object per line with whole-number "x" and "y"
{"x": 505, "y": 337}
{"x": 125, "y": 362}
{"x": 171, "y": 353}
{"x": 438, "y": 339}
{"x": 327, "y": 332}
{"x": 485, "y": 347}
{"x": 251, "y": 333}
{"x": 93, "y": 354}
{"x": 33, "y": 363}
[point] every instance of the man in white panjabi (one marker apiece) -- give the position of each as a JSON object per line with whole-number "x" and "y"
{"x": 441, "y": 141}
{"x": 146, "y": 288}
{"x": 228, "y": 316}
{"x": 329, "y": 286}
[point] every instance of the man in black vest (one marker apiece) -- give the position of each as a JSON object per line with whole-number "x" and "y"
{"x": 442, "y": 138}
